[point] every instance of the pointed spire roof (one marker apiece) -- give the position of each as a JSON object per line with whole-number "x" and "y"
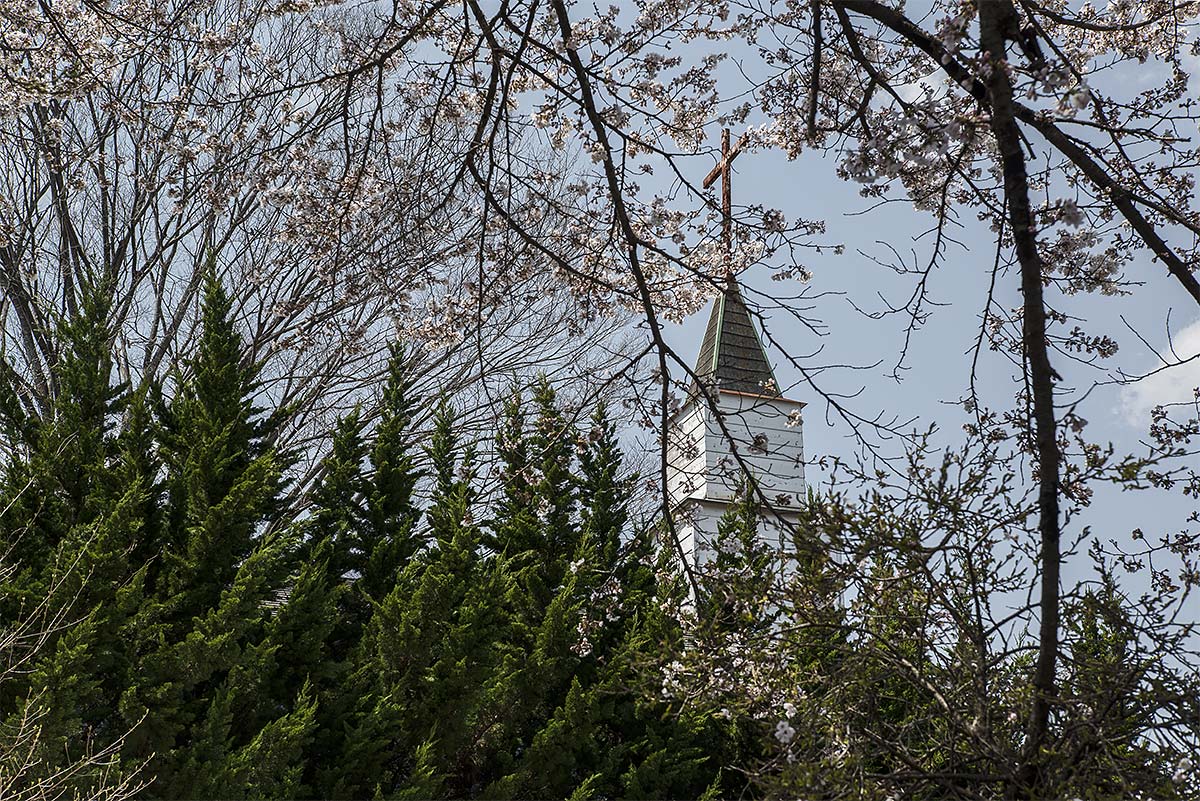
{"x": 732, "y": 355}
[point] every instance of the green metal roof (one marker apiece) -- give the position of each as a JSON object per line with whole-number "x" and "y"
{"x": 732, "y": 355}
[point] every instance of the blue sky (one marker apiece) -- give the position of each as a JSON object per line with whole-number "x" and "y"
{"x": 938, "y": 362}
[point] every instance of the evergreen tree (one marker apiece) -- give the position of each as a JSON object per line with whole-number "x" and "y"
{"x": 74, "y": 500}
{"x": 348, "y": 653}
{"x": 363, "y": 534}
{"x": 604, "y": 493}
{"x": 552, "y": 445}
{"x": 198, "y": 636}
{"x": 389, "y": 540}
{"x": 339, "y": 499}
{"x": 514, "y": 526}
{"x": 734, "y": 586}
{"x": 588, "y": 729}
{"x": 426, "y": 650}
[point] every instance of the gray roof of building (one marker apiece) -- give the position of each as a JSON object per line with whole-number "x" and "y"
{"x": 731, "y": 354}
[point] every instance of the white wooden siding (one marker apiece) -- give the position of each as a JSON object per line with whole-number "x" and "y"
{"x": 778, "y": 470}
{"x": 703, "y": 474}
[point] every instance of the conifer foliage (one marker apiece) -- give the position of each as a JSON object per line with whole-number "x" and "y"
{"x": 404, "y": 636}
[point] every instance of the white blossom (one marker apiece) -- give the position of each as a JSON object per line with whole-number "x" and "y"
{"x": 1070, "y": 212}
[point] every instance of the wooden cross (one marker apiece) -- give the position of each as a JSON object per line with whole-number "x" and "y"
{"x": 724, "y": 170}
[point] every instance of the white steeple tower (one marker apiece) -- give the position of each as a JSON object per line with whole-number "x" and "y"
{"x": 734, "y": 420}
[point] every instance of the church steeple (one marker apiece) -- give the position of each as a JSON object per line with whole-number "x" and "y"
{"x": 740, "y": 425}
{"x": 731, "y": 355}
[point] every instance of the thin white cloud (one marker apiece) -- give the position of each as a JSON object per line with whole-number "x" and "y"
{"x": 1171, "y": 385}
{"x": 934, "y": 84}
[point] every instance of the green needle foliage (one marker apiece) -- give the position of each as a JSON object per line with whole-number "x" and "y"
{"x": 406, "y": 635}
{"x": 173, "y": 630}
